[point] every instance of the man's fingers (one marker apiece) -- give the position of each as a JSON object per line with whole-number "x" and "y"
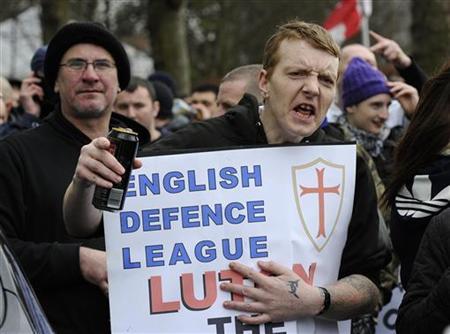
{"x": 104, "y": 287}
{"x": 377, "y": 48}
{"x": 273, "y": 267}
{"x": 101, "y": 143}
{"x": 378, "y": 37}
{"x": 99, "y": 169}
{"x": 250, "y": 307}
{"x": 100, "y": 152}
{"x": 239, "y": 289}
{"x": 137, "y": 164}
{"x": 248, "y": 272}
{"x": 254, "y": 320}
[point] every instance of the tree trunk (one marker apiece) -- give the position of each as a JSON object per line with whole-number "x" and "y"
{"x": 54, "y": 15}
{"x": 430, "y": 33}
{"x": 167, "y": 27}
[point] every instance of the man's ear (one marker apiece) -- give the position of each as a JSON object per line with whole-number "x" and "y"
{"x": 156, "y": 108}
{"x": 350, "y": 110}
{"x": 263, "y": 83}
{"x": 9, "y": 106}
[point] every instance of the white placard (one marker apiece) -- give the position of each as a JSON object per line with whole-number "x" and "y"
{"x": 188, "y": 215}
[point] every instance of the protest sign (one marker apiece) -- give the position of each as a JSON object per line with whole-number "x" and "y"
{"x": 188, "y": 215}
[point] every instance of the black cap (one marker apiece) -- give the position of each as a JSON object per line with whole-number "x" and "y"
{"x": 165, "y": 97}
{"x": 85, "y": 32}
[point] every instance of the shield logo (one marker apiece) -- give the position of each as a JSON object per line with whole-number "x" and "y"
{"x": 319, "y": 192}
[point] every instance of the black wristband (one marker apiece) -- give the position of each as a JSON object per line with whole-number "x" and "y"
{"x": 326, "y": 300}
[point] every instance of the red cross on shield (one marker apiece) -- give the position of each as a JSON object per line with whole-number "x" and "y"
{"x": 319, "y": 192}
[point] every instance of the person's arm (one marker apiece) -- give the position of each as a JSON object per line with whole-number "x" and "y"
{"x": 405, "y": 65}
{"x": 285, "y": 296}
{"x": 426, "y": 304}
{"x": 390, "y": 50}
{"x": 46, "y": 263}
{"x": 96, "y": 166}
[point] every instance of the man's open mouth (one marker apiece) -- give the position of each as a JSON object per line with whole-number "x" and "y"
{"x": 305, "y": 109}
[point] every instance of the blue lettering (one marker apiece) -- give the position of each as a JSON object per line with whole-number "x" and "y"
{"x": 209, "y": 214}
{"x": 192, "y": 182}
{"x": 227, "y": 252}
{"x": 258, "y": 247}
{"x": 169, "y": 215}
{"x": 253, "y": 209}
{"x": 148, "y": 217}
{"x": 212, "y": 179}
{"x": 210, "y": 252}
{"x": 131, "y": 193}
{"x": 230, "y": 180}
{"x": 125, "y": 227}
{"x": 255, "y": 175}
{"x": 153, "y": 184}
{"x": 229, "y": 213}
{"x": 179, "y": 253}
{"x": 189, "y": 216}
{"x": 152, "y": 253}
{"x": 127, "y": 264}
{"x": 178, "y": 182}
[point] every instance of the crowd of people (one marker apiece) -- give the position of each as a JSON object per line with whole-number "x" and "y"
{"x": 54, "y": 151}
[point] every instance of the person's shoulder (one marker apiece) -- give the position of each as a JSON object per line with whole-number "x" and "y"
{"x": 440, "y": 224}
{"x": 334, "y": 132}
{"x": 27, "y": 139}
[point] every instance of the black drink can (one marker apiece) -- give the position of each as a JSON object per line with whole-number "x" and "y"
{"x": 124, "y": 145}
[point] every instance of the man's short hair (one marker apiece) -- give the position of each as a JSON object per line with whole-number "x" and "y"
{"x": 242, "y": 73}
{"x": 136, "y": 82}
{"x": 203, "y": 88}
{"x": 249, "y": 74}
{"x": 312, "y": 33}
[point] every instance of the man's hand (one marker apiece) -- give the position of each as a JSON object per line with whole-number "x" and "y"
{"x": 407, "y": 96}
{"x": 28, "y": 89}
{"x": 390, "y": 50}
{"x": 97, "y": 166}
{"x": 93, "y": 267}
{"x": 281, "y": 297}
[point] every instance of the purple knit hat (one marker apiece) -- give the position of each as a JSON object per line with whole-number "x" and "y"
{"x": 362, "y": 81}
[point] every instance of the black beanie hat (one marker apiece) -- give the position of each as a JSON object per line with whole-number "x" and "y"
{"x": 165, "y": 97}
{"x": 85, "y": 32}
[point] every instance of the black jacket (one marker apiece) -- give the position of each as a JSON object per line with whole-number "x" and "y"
{"x": 413, "y": 75}
{"x": 241, "y": 126}
{"x": 422, "y": 198}
{"x": 36, "y": 166}
{"x": 426, "y": 305}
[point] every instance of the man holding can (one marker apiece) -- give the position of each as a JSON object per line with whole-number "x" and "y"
{"x": 298, "y": 84}
{"x": 86, "y": 66}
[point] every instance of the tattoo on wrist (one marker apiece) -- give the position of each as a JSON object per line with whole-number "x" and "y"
{"x": 293, "y": 285}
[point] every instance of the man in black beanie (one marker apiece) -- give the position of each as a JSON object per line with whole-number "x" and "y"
{"x": 86, "y": 66}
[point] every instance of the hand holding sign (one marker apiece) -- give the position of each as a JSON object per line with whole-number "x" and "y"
{"x": 281, "y": 297}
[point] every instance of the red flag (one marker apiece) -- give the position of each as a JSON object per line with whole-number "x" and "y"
{"x": 344, "y": 21}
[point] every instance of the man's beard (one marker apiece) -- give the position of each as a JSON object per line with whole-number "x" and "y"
{"x": 89, "y": 113}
